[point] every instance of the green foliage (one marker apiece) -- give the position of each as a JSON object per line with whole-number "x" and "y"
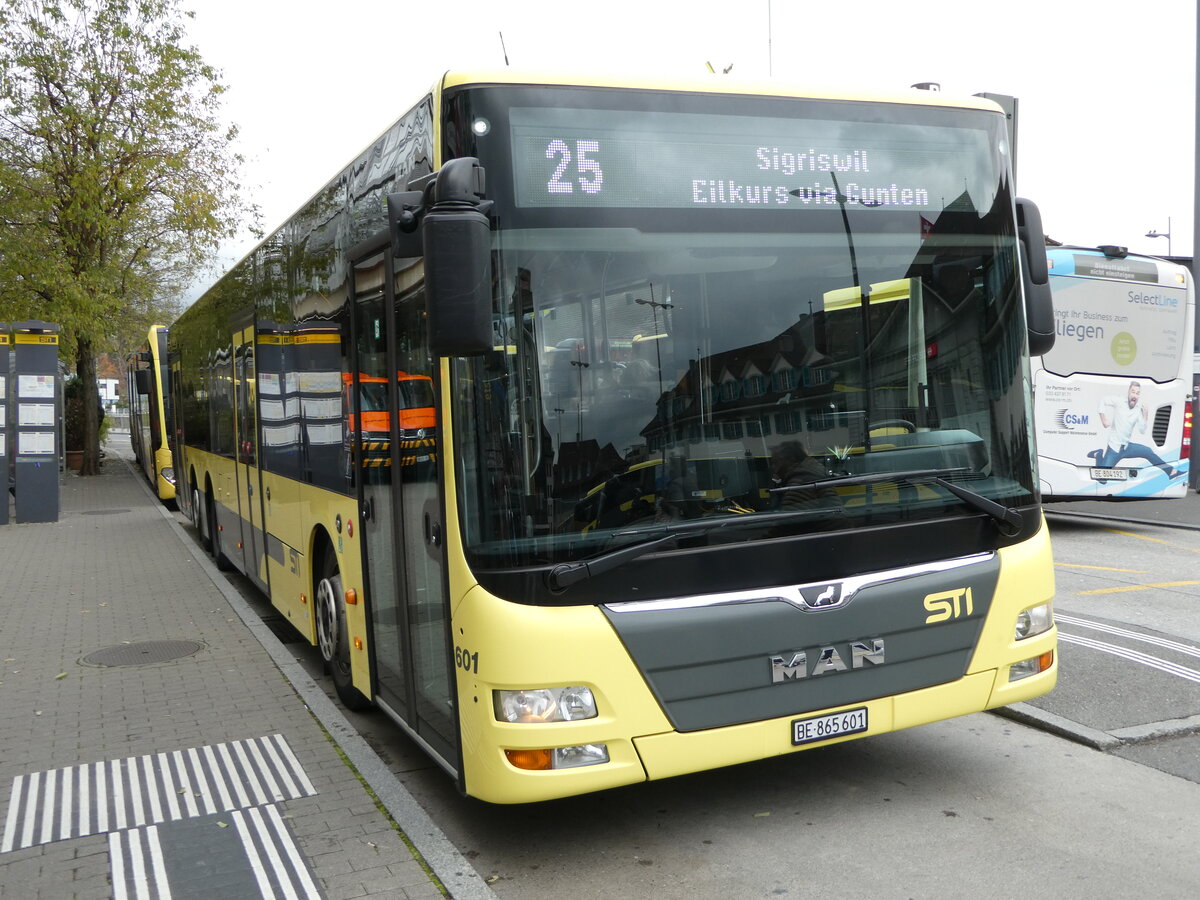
{"x": 75, "y": 424}
{"x": 74, "y": 414}
{"x": 117, "y": 178}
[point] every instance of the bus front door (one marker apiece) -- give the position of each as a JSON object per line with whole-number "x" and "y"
{"x": 401, "y": 505}
{"x": 250, "y": 512}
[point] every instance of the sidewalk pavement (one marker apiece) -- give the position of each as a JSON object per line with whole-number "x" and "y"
{"x": 156, "y": 739}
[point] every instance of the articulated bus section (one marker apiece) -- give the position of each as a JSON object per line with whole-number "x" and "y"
{"x": 588, "y": 473}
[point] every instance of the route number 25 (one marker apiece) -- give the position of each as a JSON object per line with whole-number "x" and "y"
{"x": 590, "y": 177}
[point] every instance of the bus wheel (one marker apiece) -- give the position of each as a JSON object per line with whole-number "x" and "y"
{"x": 200, "y": 520}
{"x": 327, "y": 621}
{"x": 332, "y": 635}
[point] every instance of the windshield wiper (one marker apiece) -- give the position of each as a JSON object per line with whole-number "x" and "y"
{"x": 1009, "y": 518}
{"x": 564, "y": 575}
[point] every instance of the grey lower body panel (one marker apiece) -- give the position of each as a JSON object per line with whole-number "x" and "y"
{"x": 713, "y": 664}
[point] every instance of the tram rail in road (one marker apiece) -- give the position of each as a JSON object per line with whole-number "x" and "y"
{"x": 1146, "y": 659}
{"x": 1156, "y": 523}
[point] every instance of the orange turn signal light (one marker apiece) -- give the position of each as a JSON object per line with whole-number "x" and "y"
{"x": 351, "y": 597}
{"x": 530, "y": 759}
{"x": 1046, "y": 660}
{"x": 358, "y": 643}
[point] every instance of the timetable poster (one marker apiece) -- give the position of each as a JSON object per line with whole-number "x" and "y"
{"x": 35, "y": 414}
{"x": 35, "y": 443}
{"x": 35, "y": 387}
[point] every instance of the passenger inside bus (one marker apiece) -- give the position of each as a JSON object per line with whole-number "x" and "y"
{"x": 791, "y": 468}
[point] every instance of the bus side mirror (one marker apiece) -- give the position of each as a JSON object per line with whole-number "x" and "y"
{"x": 141, "y": 380}
{"x": 1039, "y": 302}
{"x": 451, "y": 218}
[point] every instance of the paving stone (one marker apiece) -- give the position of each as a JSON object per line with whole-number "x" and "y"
{"x": 89, "y": 582}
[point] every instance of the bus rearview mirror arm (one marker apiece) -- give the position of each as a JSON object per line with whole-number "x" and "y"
{"x": 404, "y": 211}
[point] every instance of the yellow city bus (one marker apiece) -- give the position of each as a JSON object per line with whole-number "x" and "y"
{"x": 624, "y": 282}
{"x": 149, "y": 415}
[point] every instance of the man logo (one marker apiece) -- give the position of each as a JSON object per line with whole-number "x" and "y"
{"x": 793, "y": 666}
{"x": 949, "y": 605}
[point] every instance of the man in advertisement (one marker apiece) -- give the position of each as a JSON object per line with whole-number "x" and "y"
{"x": 1123, "y": 417}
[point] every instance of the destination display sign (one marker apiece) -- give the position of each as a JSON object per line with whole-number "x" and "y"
{"x": 579, "y": 158}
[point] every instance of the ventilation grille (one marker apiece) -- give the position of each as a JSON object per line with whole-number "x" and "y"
{"x": 1162, "y": 423}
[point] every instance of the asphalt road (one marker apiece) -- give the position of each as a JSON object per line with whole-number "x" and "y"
{"x": 1128, "y": 609}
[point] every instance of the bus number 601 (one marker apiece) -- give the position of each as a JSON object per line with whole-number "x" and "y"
{"x": 466, "y": 660}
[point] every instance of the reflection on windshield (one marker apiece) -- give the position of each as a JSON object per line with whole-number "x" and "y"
{"x": 642, "y": 378}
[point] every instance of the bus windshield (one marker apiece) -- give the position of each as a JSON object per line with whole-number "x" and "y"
{"x": 676, "y": 352}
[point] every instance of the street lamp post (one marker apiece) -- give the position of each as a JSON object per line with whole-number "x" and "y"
{"x": 655, "y": 306}
{"x": 560, "y": 412}
{"x": 580, "y": 365}
{"x": 665, "y": 410}
{"x": 1166, "y": 234}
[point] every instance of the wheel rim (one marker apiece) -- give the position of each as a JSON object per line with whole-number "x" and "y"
{"x": 198, "y": 514}
{"x": 327, "y": 619}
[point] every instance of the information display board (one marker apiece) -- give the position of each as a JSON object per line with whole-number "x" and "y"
{"x": 36, "y": 399}
{"x": 5, "y": 461}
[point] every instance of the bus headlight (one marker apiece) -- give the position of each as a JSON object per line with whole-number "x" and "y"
{"x": 565, "y": 704}
{"x": 1034, "y": 621}
{"x": 168, "y": 475}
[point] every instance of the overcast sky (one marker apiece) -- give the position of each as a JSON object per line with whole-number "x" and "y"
{"x": 1106, "y": 88}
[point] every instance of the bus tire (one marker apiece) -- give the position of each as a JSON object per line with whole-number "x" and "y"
{"x": 200, "y": 520}
{"x": 214, "y": 530}
{"x": 332, "y": 635}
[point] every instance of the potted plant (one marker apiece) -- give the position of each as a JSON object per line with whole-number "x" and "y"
{"x": 73, "y": 423}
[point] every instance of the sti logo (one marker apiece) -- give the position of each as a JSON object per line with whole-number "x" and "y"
{"x": 1068, "y": 420}
{"x": 949, "y": 605}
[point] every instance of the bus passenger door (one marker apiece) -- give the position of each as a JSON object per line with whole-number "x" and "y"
{"x": 420, "y": 521}
{"x": 183, "y": 493}
{"x": 369, "y": 430}
{"x": 252, "y": 545}
{"x": 395, "y": 437}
